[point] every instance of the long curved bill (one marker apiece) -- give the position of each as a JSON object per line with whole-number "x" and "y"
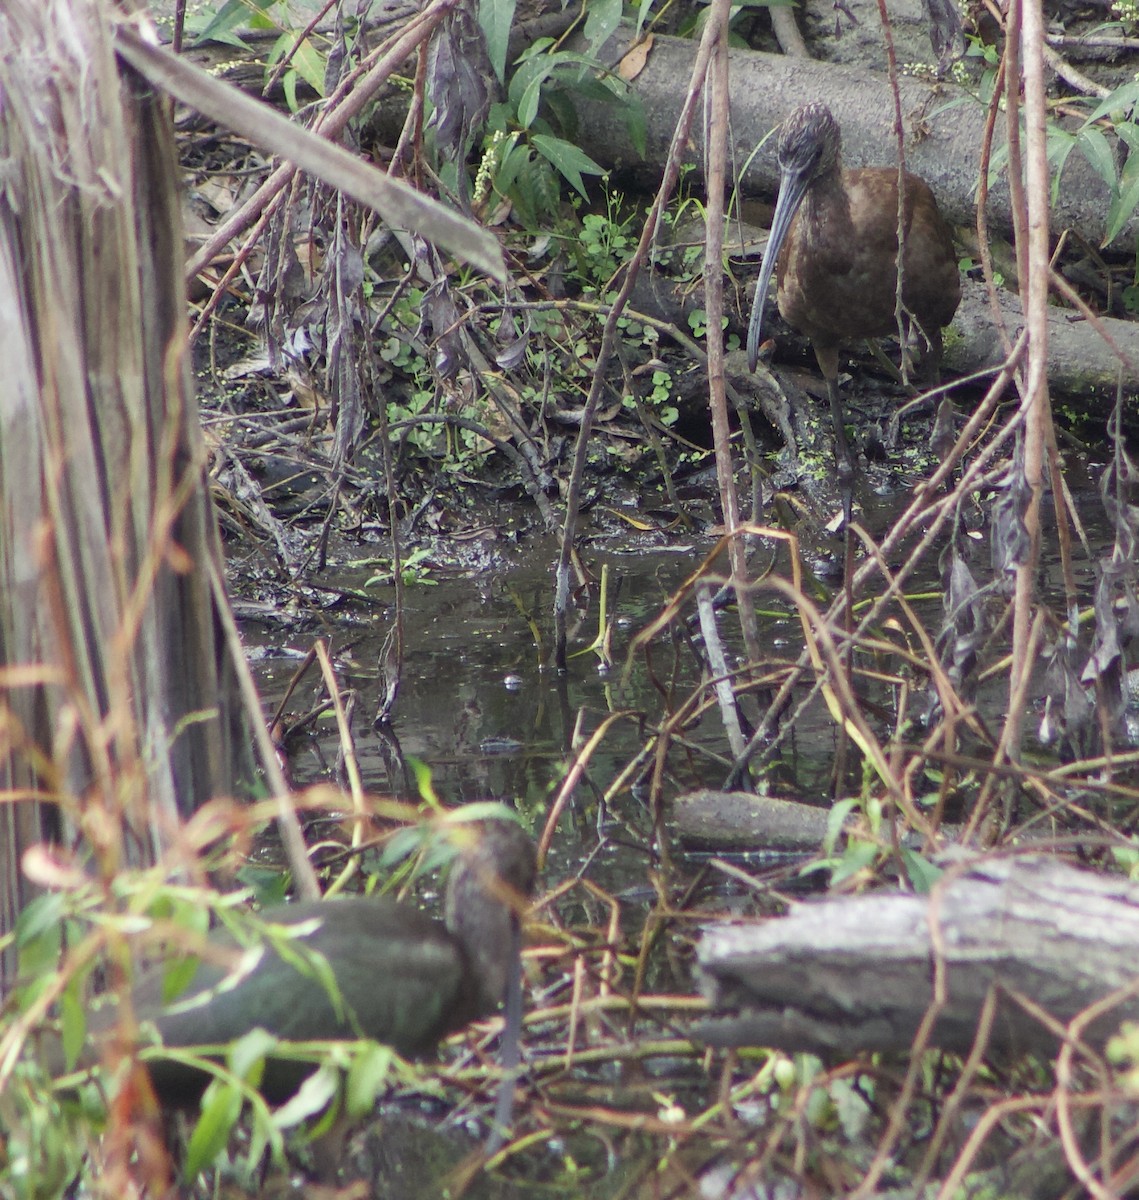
{"x": 792, "y": 188}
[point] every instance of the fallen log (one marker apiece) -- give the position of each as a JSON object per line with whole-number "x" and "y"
{"x": 1081, "y": 362}
{"x": 944, "y": 131}
{"x": 857, "y": 973}
{"x": 709, "y": 819}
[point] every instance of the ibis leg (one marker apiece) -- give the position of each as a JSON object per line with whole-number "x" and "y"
{"x": 826, "y": 353}
{"x": 841, "y": 449}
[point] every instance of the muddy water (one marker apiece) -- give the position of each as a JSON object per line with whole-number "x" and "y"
{"x": 476, "y": 702}
{"x": 479, "y": 705}
{"x": 479, "y": 708}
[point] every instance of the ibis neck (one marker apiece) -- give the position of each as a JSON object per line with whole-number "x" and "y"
{"x": 826, "y": 208}
{"x": 491, "y": 878}
{"x": 487, "y": 934}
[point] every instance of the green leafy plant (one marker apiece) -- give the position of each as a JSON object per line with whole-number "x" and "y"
{"x": 976, "y": 73}
{"x": 605, "y": 241}
{"x": 1119, "y": 109}
{"x": 660, "y": 398}
{"x": 605, "y": 244}
{"x": 415, "y": 569}
{"x": 1090, "y": 138}
{"x": 529, "y": 148}
{"x": 221, "y": 24}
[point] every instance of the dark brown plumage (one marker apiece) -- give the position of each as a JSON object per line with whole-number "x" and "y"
{"x": 404, "y": 979}
{"x": 837, "y": 254}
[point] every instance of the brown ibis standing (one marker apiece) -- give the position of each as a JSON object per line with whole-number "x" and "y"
{"x": 834, "y": 237}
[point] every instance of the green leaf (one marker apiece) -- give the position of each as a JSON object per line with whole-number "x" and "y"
{"x": 1129, "y": 134}
{"x": 187, "y": 912}
{"x": 921, "y": 872}
{"x": 602, "y": 19}
{"x": 568, "y": 159}
{"x": 41, "y": 915}
{"x": 1059, "y": 145}
{"x": 836, "y": 818}
{"x": 1097, "y": 150}
{"x": 73, "y": 1022}
{"x": 221, "y": 1106}
{"x": 39, "y": 935}
{"x": 246, "y": 1056}
{"x": 857, "y": 857}
{"x": 1126, "y": 857}
{"x": 289, "y": 86}
{"x": 531, "y": 98}
{"x": 499, "y": 119}
{"x": 496, "y": 18}
{"x": 483, "y": 810}
{"x": 222, "y": 39}
{"x": 262, "y": 22}
{"x": 513, "y": 162}
{"x": 1120, "y": 103}
{"x": 401, "y": 845}
{"x": 528, "y": 71}
{"x": 177, "y": 976}
{"x": 536, "y": 192}
{"x": 605, "y": 91}
{"x": 229, "y": 17}
{"x": 268, "y": 885}
{"x": 262, "y": 1133}
{"x": 1123, "y": 204}
{"x": 534, "y": 50}
{"x": 367, "y": 1078}
{"x": 309, "y": 66}
{"x": 313, "y": 1096}
{"x": 421, "y": 772}
{"x": 533, "y": 73}
{"x": 562, "y": 107}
